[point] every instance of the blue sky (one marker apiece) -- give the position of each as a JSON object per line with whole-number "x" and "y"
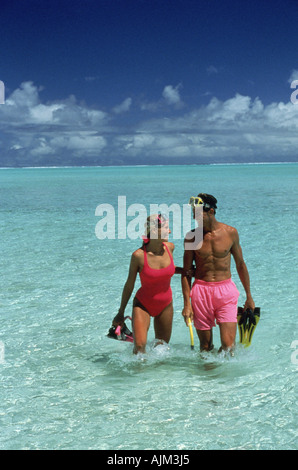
{"x": 146, "y": 81}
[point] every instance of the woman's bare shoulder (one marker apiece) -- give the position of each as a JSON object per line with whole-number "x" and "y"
{"x": 138, "y": 254}
{"x": 170, "y": 245}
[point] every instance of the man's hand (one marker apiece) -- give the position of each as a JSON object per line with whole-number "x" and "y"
{"x": 187, "y": 314}
{"x": 249, "y": 304}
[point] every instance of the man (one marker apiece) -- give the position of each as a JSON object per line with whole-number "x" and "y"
{"x": 214, "y": 295}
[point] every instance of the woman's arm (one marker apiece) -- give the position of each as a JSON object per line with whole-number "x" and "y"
{"x": 128, "y": 289}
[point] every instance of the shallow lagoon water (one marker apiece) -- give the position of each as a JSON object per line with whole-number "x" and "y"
{"x": 65, "y": 385}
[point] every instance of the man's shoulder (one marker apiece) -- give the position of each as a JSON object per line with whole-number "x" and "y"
{"x": 230, "y": 231}
{"x": 228, "y": 228}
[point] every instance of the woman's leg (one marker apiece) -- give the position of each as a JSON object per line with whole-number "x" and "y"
{"x": 163, "y": 324}
{"x": 140, "y": 327}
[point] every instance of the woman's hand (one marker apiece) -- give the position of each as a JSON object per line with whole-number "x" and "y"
{"x": 119, "y": 319}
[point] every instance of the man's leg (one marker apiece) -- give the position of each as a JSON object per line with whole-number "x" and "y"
{"x": 226, "y": 313}
{"x": 206, "y": 339}
{"x": 203, "y": 316}
{"x": 228, "y": 332}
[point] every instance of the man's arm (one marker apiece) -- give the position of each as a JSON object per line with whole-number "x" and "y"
{"x": 242, "y": 270}
{"x": 186, "y": 283}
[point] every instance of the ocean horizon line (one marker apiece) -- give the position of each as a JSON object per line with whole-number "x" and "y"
{"x": 143, "y": 165}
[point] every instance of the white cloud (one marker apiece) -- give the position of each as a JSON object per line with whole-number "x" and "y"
{"x": 25, "y": 96}
{"x": 83, "y": 141}
{"x": 124, "y": 107}
{"x": 152, "y": 106}
{"x": 170, "y": 98}
{"x": 239, "y": 128}
{"x": 23, "y": 107}
{"x": 294, "y": 76}
{"x": 172, "y": 95}
{"x": 44, "y": 113}
{"x": 35, "y": 129}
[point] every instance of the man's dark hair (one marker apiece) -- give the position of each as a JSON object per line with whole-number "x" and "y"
{"x": 210, "y": 202}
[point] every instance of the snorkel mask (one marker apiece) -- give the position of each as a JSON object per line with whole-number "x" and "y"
{"x": 196, "y": 201}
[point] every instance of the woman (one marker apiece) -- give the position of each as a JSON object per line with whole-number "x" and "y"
{"x": 155, "y": 265}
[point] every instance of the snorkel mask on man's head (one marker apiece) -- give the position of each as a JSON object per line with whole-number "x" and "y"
{"x": 206, "y": 200}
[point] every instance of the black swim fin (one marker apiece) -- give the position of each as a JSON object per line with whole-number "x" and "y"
{"x": 247, "y": 322}
{"x": 241, "y": 320}
{"x": 121, "y": 334}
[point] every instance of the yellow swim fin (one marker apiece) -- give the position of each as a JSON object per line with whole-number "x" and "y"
{"x": 247, "y": 322}
{"x": 241, "y": 320}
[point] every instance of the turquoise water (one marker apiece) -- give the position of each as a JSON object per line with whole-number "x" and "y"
{"x": 64, "y": 385}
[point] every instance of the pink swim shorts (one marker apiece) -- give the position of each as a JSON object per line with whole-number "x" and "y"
{"x": 213, "y": 301}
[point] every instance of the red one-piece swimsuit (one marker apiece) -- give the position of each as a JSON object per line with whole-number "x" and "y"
{"x": 155, "y": 293}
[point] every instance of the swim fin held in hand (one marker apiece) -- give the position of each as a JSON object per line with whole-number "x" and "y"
{"x": 121, "y": 334}
{"x": 247, "y": 322}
